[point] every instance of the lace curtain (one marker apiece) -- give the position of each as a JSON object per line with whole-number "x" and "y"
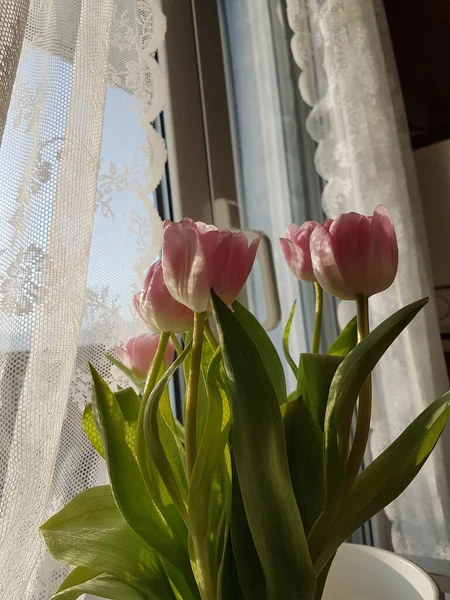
{"x": 13, "y": 16}
{"x": 349, "y": 79}
{"x": 79, "y": 163}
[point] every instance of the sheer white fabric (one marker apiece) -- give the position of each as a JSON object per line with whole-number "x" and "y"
{"x": 79, "y": 162}
{"x": 13, "y": 16}
{"x": 357, "y": 118}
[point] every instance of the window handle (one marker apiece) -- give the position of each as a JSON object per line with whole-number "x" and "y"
{"x": 265, "y": 260}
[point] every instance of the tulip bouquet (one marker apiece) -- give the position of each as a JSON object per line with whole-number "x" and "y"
{"x": 252, "y": 495}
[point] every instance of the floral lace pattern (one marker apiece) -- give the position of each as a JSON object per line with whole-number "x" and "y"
{"x": 348, "y": 77}
{"x": 79, "y": 162}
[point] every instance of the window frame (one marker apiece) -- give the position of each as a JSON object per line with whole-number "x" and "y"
{"x": 200, "y": 152}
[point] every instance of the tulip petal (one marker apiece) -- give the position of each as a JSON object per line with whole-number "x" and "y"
{"x": 123, "y": 356}
{"x": 186, "y": 266}
{"x": 291, "y": 231}
{"x": 157, "y": 308}
{"x": 137, "y": 304}
{"x": 252, "y": 251}
{"x": 142, "y": 350}
{"x": 198, "y": 257}
{"x": 298, "y": 257}
{"x": 383, "y": 257}
{"x": 210, "y": 239}
{"x": 150, "y": 305}
{"x": 296, "y": 250}
{"x": 232, "y": 261}
{"x": 350, "y": 241}
{"x": 139, "y": 352}
{"x": 306, "y": 228}
{"x": 324, "y": 265}
{"x": 204, "y": 227}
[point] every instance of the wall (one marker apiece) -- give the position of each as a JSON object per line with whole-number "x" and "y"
{"x": 433, "y": 169}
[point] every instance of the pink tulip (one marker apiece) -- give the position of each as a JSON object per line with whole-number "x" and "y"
{"x": 139, "y": 352}
{"x": 296, "y": 252}
{"x": 198, "y": 257}
{"x": 157, "y": 308}
{"x": 355, "y": 255}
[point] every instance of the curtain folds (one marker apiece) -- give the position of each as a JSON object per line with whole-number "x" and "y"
{"x": 13, "y": 19}
{"x": 79, "y": 163}
{"x": 348, "y": 77}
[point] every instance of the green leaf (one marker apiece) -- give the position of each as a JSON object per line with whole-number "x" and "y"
{"x": 287, "y": 330}
{"x": 210, "y": 487}
{"x": 231, "y": 587}
{"x": 162, "y": 441}
{"x": 78, "y": 575}
{"x": 103, "y": 586}
{"x": 84, "y": 581}
{"x": 187, "y": 339}
{"x": 90, "y": 429}
{"x": 172, "y": 438}
{"x": 263, "y": 344}
{"x": 346, "y": 340}
{"x": 343, "y": 395}
{"x": 91, "y": 533}
{"x": 261, "y": 460}
{"x": 202, "y": 402}
{"x": 385, "y": 478}
{"x": 165, "y": 533}
{"x": 183, "y": 589}
{"x": 138, "y": 382}
{"x": 128, "y": 402}
{"x": 181, "y": 432}
{"x": 250, "y": 573}
{"x": 304, "y": 441}
{"x": 315, "y": 374}
{"x": 292, "y": 396}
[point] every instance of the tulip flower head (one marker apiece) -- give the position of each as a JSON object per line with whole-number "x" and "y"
{"x": 157, "y": 307}
{"x": 197, "y": 258}
{"x": 355, "y": 255}
{"x": 139, "y": 352}
{"x": 296, "y": 250}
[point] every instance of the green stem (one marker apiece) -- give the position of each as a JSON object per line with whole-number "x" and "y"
{"x": 192, "y": 393}
{"x": 322, "y": 579}
{"x": 201, "y": 551}
{"x": 362, "y": 431}
{"x": 315, "y": 348}
{"x": 176, "y": 344}
{"x": 210, "y": 336}
{"x": 201, "y": 555}
{"x": 179, "y": 350}
{"x": 150, "y": 383}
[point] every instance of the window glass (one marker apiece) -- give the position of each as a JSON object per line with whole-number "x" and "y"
{"x": 277, "y": 180}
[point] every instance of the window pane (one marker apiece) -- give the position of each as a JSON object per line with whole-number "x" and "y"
{"x": 277, "y": 180}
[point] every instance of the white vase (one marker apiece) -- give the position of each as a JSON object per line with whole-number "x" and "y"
{"x": 365, "y": 573}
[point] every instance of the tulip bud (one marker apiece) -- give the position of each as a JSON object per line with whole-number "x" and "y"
{"x": 197, "y": 258}
{"x": 296, "y": 251}
{"x": 157, "y": 308}
{"x": 355, "y": 255}
{"x": 139, "y": 352}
